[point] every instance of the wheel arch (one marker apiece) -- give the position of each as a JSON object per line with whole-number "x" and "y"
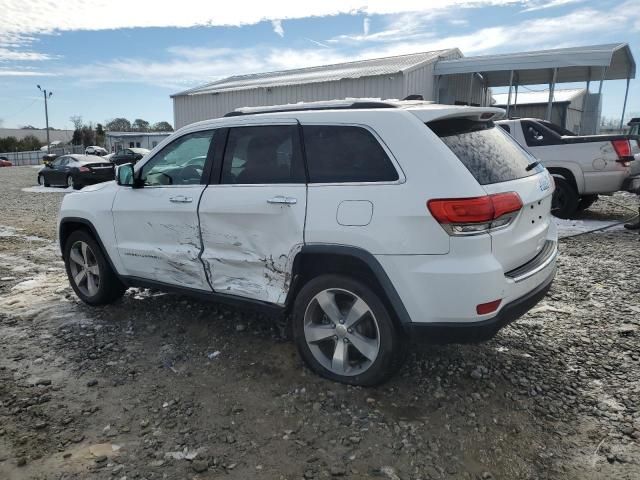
{"x": 68, "y": 225}
{"x": 314, "y": 260}
{"x": 568, "y": 174}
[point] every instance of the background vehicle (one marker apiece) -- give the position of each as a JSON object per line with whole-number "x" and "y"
{"x": 4, "y": 162}
{"x": 95, "y": 150}
{"x": 365, "y": 220}
{"x": 51, "y": 145}
{"x": 75, "y": 171}
{"x": 48, "y": 158}
{"x": 582, "y": 166}
{"x": 128, "y": 155}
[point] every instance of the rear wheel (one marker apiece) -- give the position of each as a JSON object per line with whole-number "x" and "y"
{"x": 344, "y": 332}
{"x": 565, "y": 198}
{"x": 90, "y": 274}
{"x": 586, "y": 201}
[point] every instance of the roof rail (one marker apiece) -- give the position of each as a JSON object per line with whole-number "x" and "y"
{"x": 302, "y": 107}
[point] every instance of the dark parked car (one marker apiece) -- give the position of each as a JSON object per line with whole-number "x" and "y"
{"x": 75, "y": 171}
{"x": 128, "y": 155}
{"x": 4, "y": 161}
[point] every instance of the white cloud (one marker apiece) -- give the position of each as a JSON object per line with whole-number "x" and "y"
{"x": 25, "y": 73}
{"x": 366, "y": 24}
{"x": 315, "y": 42}
{"x": 41, "y": 16}
{"x": 277, "y": 27}
{"x": 543, "y": 5}
{"x": 21, "y": 55}
{"x": 188, "y": 66}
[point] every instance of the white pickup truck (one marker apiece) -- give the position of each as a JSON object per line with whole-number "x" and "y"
{"x": 582, "y": 166}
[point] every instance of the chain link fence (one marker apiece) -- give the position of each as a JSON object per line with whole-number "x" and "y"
{"x": 35, "y": 157}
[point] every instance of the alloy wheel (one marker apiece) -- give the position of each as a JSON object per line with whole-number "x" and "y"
{"x": 342, "y": 332}
{"x": 84, "y": 268}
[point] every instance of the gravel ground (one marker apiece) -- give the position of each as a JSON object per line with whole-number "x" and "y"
{"x": 163, "y": 386}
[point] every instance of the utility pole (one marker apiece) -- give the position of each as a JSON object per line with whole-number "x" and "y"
{"x": 46, "y": 113}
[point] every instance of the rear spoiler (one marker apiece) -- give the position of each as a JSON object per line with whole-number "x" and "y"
{"x": 482, "y": 114}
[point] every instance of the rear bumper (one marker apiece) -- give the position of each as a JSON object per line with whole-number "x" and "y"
{"x": 632, "y": 184}
{"x": 96, "y": 178}
{"x": 471, "y": 332}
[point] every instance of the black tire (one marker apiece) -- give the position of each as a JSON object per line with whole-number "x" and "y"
{"x": 390, "y": 351}
{"x": 565, "y": 199}
{"x": 42, "y": 181}
{"x": 109, "y": 288}
{"x": 586, "y": 201}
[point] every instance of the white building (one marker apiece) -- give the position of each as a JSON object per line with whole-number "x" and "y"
{"x": 571, "y": 108}
{"x": 443, "y": 76}
{"x": 116, "y": 141}
{"x": 390, "y": 77}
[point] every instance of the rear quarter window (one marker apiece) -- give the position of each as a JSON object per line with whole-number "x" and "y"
{"x": 488, "y": 152}
{"x": 344, "y": 153}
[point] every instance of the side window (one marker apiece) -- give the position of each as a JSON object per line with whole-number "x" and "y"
{"x": 533, "y": 134}
{"x": 265, "y": 154}
{"x": 58, "y": 162}
{"x": 179, "y": 163}
{"x": 345, "y": 154}
{"x": 506, "y": 128}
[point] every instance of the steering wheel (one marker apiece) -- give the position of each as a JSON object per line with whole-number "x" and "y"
{"x": 190, "y": 173}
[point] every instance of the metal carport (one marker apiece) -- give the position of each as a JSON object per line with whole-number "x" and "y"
{"x": 562, "y": 65}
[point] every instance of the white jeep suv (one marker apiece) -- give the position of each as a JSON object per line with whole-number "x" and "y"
{"x": 369, "y": 222}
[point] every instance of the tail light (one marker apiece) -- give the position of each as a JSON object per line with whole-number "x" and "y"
{"x": 472, "y": 216}
{"x": 84, "y": 169}
{"x": 623, "y": 150}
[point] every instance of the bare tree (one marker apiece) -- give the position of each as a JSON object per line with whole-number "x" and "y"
{"x": 77, "y": 121}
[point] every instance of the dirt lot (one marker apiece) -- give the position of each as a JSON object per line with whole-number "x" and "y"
{"x": 163, "y": 386}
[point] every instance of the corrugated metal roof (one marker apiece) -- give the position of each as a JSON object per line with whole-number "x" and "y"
{"x": 575, "y": 64}
{"x": 324, "y": 73}
{"x": 532, "y": 98}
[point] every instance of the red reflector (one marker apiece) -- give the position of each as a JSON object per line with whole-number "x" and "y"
{"x": 622, "y": 148}
{"x": 485, "y": 308}
{"x": 84, "y": 169}
{"x": 474, "y": 210}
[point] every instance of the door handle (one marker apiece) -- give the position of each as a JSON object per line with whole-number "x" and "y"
{"x": 180, "y": 199}
{"x": 283, "y": 200}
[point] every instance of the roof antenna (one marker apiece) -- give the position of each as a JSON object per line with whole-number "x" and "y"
{"x": 414, "y": 96}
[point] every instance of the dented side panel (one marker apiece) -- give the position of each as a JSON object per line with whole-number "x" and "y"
{"x": 158, "y": 239}
{"x": 249, "y": 243}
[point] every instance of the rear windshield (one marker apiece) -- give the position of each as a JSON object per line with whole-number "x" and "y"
{"x": 488, "y": 152}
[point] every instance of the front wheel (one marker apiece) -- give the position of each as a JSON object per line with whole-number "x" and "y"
{"x": 344, "y": 332}
{"x": 89, "y": 272}
{"x": 42, "y": 181}
{"x": 565, "y": 199}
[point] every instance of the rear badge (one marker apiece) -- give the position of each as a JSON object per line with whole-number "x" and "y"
{"x": 544, "y": 183}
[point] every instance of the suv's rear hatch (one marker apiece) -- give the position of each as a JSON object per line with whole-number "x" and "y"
{"x": 501, "y": 166}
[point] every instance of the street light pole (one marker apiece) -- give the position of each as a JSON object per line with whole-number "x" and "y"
{"x": 46, "y": 113}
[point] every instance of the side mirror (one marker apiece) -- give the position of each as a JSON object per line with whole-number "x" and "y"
{"x": 125, "y": 175}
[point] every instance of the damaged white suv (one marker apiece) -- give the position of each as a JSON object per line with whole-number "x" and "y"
{"x": 368, "y": 221}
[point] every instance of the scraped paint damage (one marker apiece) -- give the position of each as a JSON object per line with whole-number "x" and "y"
{"x": 242, "y": 266}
